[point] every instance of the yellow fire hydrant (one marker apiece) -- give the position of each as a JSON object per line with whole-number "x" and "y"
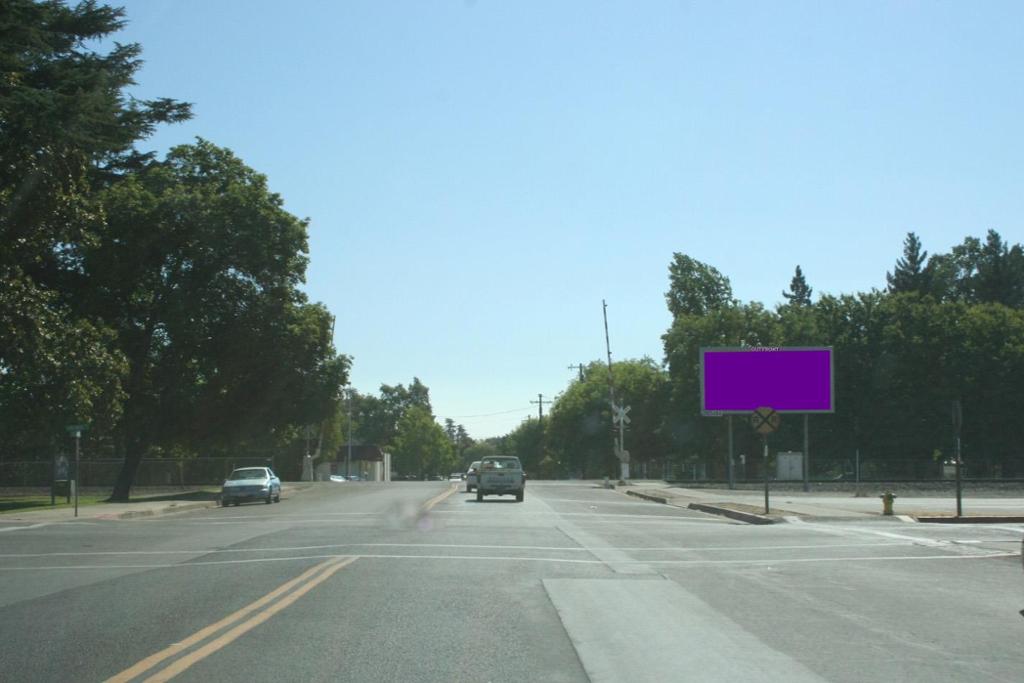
{"x": 887, "y": 499}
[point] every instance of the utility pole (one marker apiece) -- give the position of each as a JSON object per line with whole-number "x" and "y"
{"x": 348, "y": 458}
{"x": 618, "y": 414}
{"x": 578, "y": 366}
{"x": 608, "y": 347}
{"x": 540, "y": 406}
{"x": 540, "y": 423}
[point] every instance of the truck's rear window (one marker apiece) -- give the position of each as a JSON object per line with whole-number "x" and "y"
{"x": 501, "y": 464}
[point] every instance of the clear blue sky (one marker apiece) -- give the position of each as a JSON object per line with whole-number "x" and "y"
{"x": 479, "y": 175}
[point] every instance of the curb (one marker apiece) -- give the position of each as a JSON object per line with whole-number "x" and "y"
{"x": 970, "y": 520}
{"x": 132, "y": 514}
{"x": 748, "y": 517}
{"x": 647, "y": 496}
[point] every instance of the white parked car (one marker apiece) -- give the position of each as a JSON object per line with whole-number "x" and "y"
{"x": 251, "y": 483}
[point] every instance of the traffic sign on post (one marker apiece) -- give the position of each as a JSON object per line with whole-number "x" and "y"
{"x": 765, "y": 420}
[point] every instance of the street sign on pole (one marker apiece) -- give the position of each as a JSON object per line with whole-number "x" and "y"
{"x": 621, "y": 414}
{"x": 765, "y": 420}
{"x": 76, "y": 431}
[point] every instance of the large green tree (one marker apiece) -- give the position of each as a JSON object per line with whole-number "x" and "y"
{"x": 198, "y": 272}
{"x": 67, "y": 127}
{"x": 911, "y": 273}
{"x": 799, "y": 293}
{"x": 695, "y": 288}
{"x": 420, "y": 445}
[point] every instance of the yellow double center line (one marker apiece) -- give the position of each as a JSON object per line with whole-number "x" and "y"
{"x": 438, "y": 498}
{"x": 312, "y": 577}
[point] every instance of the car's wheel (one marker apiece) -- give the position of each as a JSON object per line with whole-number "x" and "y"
{"x": 225, "y": 502}
{"x": 277, "y": 498}
{"x": 235, "y": 503}
{"x": 269, "y": 499}
{"x": 519, "y": 497}
{"x": 479, "y": 496}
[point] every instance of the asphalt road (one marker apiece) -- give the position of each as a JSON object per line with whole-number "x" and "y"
{"x": 360, "y": 583}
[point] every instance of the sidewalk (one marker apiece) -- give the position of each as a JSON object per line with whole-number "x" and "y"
{"x": 142, "y": 507}
{"x": 836, "y": 506}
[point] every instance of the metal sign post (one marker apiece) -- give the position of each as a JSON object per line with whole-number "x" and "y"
{"x": 764, "y": 443}
{"x": 76, "y": 431}
{"x": 765, "y": 421}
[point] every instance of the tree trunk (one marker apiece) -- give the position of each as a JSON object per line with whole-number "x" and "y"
{"x": 123, "y": 483}
{"x": 132, "y": 430}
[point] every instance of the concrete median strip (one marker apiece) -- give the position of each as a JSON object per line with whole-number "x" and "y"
{"x": 740, "y": 515}
{"x": 647, "y": 496}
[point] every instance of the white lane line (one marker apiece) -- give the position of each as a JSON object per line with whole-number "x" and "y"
{"x": 554, "y": 560}
{"x": 465, "y": 546}
{"x": 29, "y": 526}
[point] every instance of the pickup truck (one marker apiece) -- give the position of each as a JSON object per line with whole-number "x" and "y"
{"x": 500, "y": 475}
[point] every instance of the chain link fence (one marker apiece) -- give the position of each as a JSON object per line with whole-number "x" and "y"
{"x": 161, "y": 472}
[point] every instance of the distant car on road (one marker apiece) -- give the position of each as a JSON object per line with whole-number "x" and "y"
{"x": 471, "y": 476}
{"x": 251, "y": 483}
{"x": 501, "y": 475}
{"x": 340, "y": 478}
{"x": 456, "y": 476}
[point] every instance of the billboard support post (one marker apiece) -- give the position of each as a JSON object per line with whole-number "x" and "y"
{"x": 764, "y": 441}
{"x": 732, "y": 474}
{"x": 807, "y": 458}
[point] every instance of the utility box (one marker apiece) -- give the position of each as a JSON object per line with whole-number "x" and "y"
{"x": 789, "y": 466}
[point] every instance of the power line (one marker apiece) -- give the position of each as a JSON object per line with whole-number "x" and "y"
{"x": 501, "y": 412}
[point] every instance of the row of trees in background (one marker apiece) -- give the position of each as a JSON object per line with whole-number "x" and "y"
{"x": 949, "y": 327}
{"x": 154, "y": 300}
{"x": 401, "y": 421}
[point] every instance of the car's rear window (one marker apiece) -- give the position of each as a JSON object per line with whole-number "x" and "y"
{"x": 502, "y": 464}
{"x": 254, "y": 473}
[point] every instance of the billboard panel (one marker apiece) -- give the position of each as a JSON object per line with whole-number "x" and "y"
{"x": 788, "y": 379}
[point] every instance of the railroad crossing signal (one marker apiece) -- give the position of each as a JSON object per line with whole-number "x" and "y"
{"x": 620, "y": 415}
{"x": 765, "y": 420}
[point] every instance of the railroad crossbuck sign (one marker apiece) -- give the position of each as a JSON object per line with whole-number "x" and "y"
{"x": 765, "y": 420}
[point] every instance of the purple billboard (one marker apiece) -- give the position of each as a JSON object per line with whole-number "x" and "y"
{"x": 788, "y": 379}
